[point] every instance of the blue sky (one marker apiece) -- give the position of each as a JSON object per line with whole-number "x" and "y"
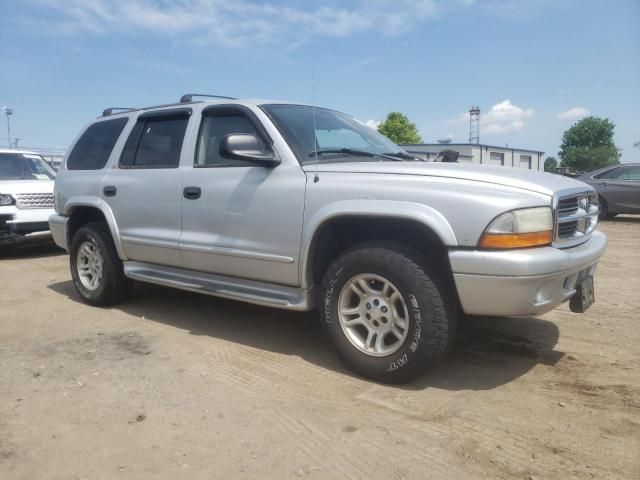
{"x": 533, "y": 66}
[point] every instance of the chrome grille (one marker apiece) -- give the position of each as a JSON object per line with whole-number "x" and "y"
{"x": 34, "y": 200}
{"x": 568, "y": 205}
{"x": 567, "y": 229}
{"x": 576, "y": 217}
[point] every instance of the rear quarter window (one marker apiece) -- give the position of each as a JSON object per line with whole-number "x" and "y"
{"x": 92, "y": 150}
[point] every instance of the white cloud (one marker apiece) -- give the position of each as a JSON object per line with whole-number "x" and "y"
{"x": 364, "y": 62}
{"x": 572, "y": 113}
{"x": 238, "y": 22}
{"x": 504, "y": 117}
{"x": 373, "y": 123}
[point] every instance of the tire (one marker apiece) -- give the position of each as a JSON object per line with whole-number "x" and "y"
{"x": 604, "y": 210}
{"x": 429, "y": 321}
{"x": 100, "y": 280}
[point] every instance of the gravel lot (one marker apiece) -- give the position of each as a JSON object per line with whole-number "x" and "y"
{"x": 176, "y": 385}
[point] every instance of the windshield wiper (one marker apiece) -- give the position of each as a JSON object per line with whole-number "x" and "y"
{"x": 404, "y": 156}
{"x": 354, "y": 151}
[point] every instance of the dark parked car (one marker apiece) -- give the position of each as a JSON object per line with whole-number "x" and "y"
{"x": 618, "y": 188}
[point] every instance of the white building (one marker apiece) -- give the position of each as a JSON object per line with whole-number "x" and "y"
{"x": 482, "y": 154}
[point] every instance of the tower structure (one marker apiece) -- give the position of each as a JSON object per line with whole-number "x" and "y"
{"x": 474, "y": 125}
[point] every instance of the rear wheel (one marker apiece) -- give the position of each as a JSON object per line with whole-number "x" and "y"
{"x": 96, "y": 270}
{"x": 386, "y": 314}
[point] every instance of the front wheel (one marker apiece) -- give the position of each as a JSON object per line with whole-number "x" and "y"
{"x": 96, "y": 270}
{"x": 385, "y": 313}
{"x": 604, "y": 210}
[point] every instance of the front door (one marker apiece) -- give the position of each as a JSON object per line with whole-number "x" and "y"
{"x": 144, "y": 190}
{"x": 246, "y": 220}
{"x": 621, "y": 188}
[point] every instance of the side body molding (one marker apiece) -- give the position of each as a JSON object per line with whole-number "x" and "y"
{"x": 418, "y": 212}
{"x": 100, "y": 204}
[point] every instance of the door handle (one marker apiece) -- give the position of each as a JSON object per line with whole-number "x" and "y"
{"x": 192, "y": 193}
{"x": 109, "y": 191}
{"x": 602, "y": 184}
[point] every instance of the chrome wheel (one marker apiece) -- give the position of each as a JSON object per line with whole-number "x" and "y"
{"x": 89, "y": 265}
{"x": 373, "y": 315}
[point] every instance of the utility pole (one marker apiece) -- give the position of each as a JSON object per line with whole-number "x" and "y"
{"x": 8, "y": 111}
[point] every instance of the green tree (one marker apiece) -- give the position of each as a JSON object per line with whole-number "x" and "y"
{"x": 399, "y": 129}
{"x": 550, "y": 164}
{"x": 589, "y": 144}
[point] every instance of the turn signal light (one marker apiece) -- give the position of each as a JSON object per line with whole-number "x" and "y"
{"x": 516, "y": 240}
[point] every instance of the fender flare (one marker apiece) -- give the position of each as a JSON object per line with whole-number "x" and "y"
{"x": 105, "y": 209}
{"x": 427, "y": 216}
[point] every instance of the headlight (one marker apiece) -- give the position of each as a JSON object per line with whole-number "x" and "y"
{"x": 527, "y": 227}
{"x": 5, "y": 200}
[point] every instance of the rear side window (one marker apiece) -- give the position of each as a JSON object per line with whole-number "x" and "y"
{"x": 155, "y": 142}
{"x": 92, "y": 150}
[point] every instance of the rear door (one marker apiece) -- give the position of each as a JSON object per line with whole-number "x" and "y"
{"x": 144, "y": 188}
{"x": 246, "y": 220}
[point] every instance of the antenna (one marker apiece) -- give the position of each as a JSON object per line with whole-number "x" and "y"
{"x": 316, "y": 178}
{"x": 474, "y": 125}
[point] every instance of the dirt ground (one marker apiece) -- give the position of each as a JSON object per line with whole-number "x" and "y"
{"x": 177, "y": 385}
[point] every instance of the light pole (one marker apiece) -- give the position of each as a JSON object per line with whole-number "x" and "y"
{"x": 8, "y": 111}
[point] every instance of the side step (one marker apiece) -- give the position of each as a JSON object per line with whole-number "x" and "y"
{"x": 251, "y": 291}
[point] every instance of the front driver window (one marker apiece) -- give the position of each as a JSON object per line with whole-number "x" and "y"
{"x": 633, "y": 174}
{"x": 212, "y": 130}
{"x": 623, "y": 173}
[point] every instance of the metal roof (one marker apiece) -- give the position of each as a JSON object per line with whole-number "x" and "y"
{"x": 446, "y": 145}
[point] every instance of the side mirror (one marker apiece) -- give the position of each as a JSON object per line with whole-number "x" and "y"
{"x": 248, "y": 147}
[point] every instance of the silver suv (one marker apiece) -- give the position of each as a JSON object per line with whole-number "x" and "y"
{"x": 296, "y": 207}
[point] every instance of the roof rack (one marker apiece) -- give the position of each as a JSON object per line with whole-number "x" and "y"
{"x": 186, "y": 98}
{"x": 109, "y": 111}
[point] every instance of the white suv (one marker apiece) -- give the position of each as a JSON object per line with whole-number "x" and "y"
{"x": 26, "y": 196}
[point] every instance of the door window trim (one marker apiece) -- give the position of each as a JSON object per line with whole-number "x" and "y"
{"x": 221, "y": 110}
{"x": 155, "y": 115}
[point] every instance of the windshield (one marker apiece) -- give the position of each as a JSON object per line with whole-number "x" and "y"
{"x": 338, "y": 137}
{"x": 24, "y": 166}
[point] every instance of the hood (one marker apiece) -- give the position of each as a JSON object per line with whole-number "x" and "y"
{"x": 539, "y": 182}
{"x": 26, "y": 186}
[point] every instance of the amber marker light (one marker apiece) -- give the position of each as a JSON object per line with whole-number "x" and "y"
{"x": 527, "y": 227}
{"x": 516, "y": 240}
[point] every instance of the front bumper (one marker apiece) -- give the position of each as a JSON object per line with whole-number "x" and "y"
{"x": 18, "y": 225}
{"x": 522, "y": 282}
{"x": 58, "y": 226}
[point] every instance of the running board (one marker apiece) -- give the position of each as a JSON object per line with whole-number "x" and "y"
{"x": 251, "y": 291}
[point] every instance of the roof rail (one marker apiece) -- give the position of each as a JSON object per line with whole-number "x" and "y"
{"x": 109, "y": 111}
{"x": 186, "y": 98}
